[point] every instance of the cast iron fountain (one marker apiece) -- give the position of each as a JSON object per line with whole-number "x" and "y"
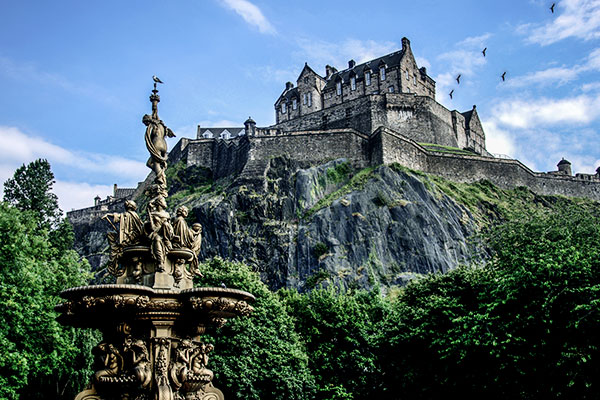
{"x": 152, "y": 319}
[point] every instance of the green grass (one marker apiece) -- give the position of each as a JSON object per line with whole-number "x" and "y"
{"x": 357, "y": 182}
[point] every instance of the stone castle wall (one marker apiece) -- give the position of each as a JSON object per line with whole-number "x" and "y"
{"x": 419, "y": 118}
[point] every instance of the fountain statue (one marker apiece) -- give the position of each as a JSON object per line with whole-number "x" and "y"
{"x": 153, "y": 318}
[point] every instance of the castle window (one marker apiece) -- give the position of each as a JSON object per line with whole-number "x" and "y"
{"x": 353, "y": 83}
{"x": 338, "y": 87}
{"x": 348, "y": 112}
{"x": 306, "y": 79}
{"x": 294, "y": 103}
{"x": 283, "y": 108}
{"x": 407, "y": 78}
{"x": 309, "y": 99}
{"x": 391, "y": 89}
{"x": 382, "y": 73}
{"x": 368, "y": 78}
{"x": 304, "y": 98}
{"x": 415, "y": 79}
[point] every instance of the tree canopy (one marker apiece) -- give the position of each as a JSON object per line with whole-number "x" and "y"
{"x": 30, "y": 190}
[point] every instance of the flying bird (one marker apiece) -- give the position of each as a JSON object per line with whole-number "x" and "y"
{"x": 503, "y": 76}
{"x": 458, "y": 79}
{"x": 452, "y": 91}
{"x": 483, "y": 51}
{"x": 155, "y": 79}
{"x": 552, "y": 7}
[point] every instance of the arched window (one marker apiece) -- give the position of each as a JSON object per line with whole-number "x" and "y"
{"x": 368, "y": 78}
{"x": 309, "y": 99}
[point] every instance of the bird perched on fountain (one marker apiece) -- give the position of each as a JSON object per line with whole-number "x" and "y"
{"x": 155, "y": 79}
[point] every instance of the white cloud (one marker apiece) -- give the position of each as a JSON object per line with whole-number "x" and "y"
{"x": 25, "y": 148}
{"x": 526, "y": 114}
{"x": 551, "y": 76}
{"x": 77, "y": 195}
{"x": 558, "y": 75}
{"x": 573, "y": 18}
{"x": 251, "y": 14}
{"x": 498, "y": 140}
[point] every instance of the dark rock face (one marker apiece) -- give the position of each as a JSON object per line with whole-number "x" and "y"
{"x": 299, "y": 227}
{"x": 386, "y": 229}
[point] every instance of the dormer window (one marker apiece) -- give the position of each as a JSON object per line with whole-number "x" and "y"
{"x": 304, "y": 98}
{"x": 294, "y": 103}
{"x": 368, "y": 78}
{"x": 353, "y": 82}
{"x": 309, "y": 99}
{"x": 382, "y": 72}
{"x": 338, "y": 88}
{"x": 283, "y": 108}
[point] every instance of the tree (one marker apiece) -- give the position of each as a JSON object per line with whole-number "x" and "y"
{"x": 260, "y": 356}
{"x": 39, "y": 358}
{"x": 30, "y": 190}
{"x": 340, "y": 329}
{"x": 523, "y": 326}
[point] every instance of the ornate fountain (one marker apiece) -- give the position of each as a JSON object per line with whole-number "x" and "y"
{"x": 153, "y": 318}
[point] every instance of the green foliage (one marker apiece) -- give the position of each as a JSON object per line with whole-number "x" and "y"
{"x": 320, "y": 249}
{"x": 357, "y": 182}
{"x": 340, "y": 330}
{"x": 339, "y": 173}
{"x": 30, "y": 190}
{"x": 523, "y": 326}
{"x": 39, "y": 358}
{"x": 261, "y": 356}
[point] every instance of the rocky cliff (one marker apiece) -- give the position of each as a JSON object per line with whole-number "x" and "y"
{"x": 300, "y": 227}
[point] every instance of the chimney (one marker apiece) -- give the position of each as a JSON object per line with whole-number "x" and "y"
{"x": 288, "y": 85}
{"x": 351, "y": 64}
{"x": 329, "y": 71}
{"x": 96, "y": 200}
{"x": 405, "y": 44}
{"x": 115, "y": 190}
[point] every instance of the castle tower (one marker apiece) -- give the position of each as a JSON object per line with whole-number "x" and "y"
{"x": 564, "y": 167}
{"x": 250, "y": 127}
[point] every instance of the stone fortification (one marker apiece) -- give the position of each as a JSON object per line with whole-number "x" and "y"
{"x": 378, "y": 112}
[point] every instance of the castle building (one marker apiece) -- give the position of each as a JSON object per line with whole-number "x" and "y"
{"x": 378, "y": 112}
{"x": 390, "y": 91}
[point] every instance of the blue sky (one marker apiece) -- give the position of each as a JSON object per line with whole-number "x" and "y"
{"x": 75, "y": 76}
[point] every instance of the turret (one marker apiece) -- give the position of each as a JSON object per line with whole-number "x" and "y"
{"x": 564, "y": 167}
{"x": 250, "y": 127}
